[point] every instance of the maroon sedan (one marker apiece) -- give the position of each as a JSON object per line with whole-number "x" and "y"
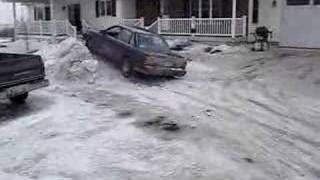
{"x": 136, "y": 50}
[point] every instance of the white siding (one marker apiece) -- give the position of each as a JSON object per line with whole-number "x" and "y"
{"x": 125, "y": 9}
{"x": 269, "y": 16}
{"x": 300, "y": 26}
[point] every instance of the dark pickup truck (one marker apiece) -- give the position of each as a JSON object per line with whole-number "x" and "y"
{"x": 20, "y": 74}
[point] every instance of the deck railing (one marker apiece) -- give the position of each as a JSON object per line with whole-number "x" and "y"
{"x": 203, "y": 26}
{"x": 174, "y": 26}
{"x": 43, "y": 29}
{"x": 154, "y": 27}
{"x": 139, "y": 22}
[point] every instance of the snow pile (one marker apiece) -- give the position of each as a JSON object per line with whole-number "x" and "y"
{"x": 70, "y": 60}
{"x": 226, "y": 49}
{"x": 179, "y": 44}
{"x": 21, "y": 46}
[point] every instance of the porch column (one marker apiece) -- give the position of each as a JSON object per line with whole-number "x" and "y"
{"x": 14, "y": 21}
{"x": 250, "y": 14}
{"x": 211, "y": 8}
{"x": 43, "y": 9}
{"x": 200, "y": 8}
{"x": 52, "y": 9}
{"x": 162, "y": 7}
{"x": 234, "y": 16}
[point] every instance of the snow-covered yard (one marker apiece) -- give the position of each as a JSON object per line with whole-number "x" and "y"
{"x": 239, "y": 115}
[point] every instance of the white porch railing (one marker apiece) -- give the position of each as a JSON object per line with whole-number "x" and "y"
{"x": 139, "y": 22}
{"x": 202, "y": 26}
{"x": 174, "y": 26}
{"x": 154, "y": 27}
{"x": 42, "y": 29}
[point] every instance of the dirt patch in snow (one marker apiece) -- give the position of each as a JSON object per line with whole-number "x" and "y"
{"x": 69, "y": 61}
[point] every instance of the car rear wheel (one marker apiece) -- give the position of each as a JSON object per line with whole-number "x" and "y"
{"x": 126, "y": 69}
{"x": 20, "y": 99}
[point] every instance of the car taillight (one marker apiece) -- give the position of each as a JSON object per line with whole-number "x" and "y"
{"x": 149, "y": 67}
{"x": 149, "y": 60}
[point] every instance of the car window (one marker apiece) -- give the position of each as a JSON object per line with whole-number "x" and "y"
{"x": 114, "y": 32}
{"x": 132, "y": 40}
{"x": 152, "y": 43}
{"x": 125, "y": 36}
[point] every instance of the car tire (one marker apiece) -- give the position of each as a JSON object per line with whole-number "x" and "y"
{"x": 19, "y": 99}
{"x": 88, "y": 45}
{"x": 126, "y": 69}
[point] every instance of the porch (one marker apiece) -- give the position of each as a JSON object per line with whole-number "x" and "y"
{"x": 59, "y": 18}
{"x": 214, "y": 18}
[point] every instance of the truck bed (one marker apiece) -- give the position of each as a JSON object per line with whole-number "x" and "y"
{"x": 18, "y": 69}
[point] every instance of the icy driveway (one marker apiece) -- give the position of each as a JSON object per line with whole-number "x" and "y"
{"x": 243, "y": 116}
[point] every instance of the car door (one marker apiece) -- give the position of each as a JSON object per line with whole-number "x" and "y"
{"x": 109, "y": 45}
{"x": 124, "y": 44}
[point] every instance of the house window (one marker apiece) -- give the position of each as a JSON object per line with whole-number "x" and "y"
{"x": 47, "y": 13}
{"x": 298, "y": 2}
{"x": 105, "y": 8}
{"x": 109, "y": 8}
{"x": 255, "y": 12}
{"x": 42, "y": 13}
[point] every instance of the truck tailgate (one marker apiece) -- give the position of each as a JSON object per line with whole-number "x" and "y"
{"x": 19, "y": 68}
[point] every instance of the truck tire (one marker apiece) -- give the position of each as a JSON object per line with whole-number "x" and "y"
{"x": 126, "y": 69}
{"x": 20, "y": 99}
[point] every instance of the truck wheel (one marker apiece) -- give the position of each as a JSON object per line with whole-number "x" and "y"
{"x": 20, "y": 99}
{"x": 126, "y": 69}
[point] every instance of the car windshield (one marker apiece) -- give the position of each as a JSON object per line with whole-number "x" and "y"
{"x": 152, "y": 43}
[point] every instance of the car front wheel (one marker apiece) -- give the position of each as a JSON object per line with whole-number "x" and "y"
{"x": 126, "y": 69}
{"x": 20, "y": 99}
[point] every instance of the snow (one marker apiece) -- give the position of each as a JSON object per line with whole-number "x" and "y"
{"x": 229, "y": 49}
{"x": 242, "y": 115}
{"x": 176, "y": 43}
{"x": 69, "y": 61}
{"x": 22, "y": 46}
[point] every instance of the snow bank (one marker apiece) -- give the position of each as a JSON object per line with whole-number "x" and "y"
{"x": 21, "y": 46}
{"x": 179, "y": 44}
{"x": 227, "y": 49}
{"x": 69, "y": 61}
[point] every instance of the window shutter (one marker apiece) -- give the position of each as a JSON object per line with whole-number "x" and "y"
{"x": 35, "y": 17}
{"x": 114, "y": 8}
{"x": 97, "y": 9}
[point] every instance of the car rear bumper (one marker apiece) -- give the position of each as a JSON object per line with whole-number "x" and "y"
{"x": 23, "y": 88}
{"x": 162, "y": 71}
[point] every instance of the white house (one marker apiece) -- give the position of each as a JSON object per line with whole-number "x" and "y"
{"x": 293, "y": 22}
{"x": 178, "y": 17}
{"x": 265, "y": 13}
{"x": 300, "y": 24}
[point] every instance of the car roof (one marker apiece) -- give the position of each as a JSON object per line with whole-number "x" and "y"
{"x": 137, "y": 30}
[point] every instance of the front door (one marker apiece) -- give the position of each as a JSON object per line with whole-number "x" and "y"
{"x": 74, "y": 15}
{"x": 149, "y": 9}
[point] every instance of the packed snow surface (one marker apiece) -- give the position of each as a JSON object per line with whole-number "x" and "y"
{"x": 241, "y": 116}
